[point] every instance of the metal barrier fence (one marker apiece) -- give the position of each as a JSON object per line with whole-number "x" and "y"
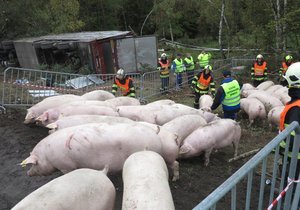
{"x": 271, "y": 176}
{"x": 25, "y": 87}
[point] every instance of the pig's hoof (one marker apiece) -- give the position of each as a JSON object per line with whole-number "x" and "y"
{"x": 175, "y": 178}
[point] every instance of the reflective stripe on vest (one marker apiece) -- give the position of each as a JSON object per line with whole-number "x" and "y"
{"x": 165, "y": 69}
{"x": 232, "y": 93}
{"x": 179, "y": 66}
{"x": 190, "y": 62}
{"x": 259, "y": 70}
{"x": 124, "y": 88}
{"x": 203, "y": 83}
{"x": 284, "y": 67}
{"x": 283, "y": 125}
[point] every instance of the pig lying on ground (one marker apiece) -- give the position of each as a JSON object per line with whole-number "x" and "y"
{"x": 254, "y": 109}
{"x": 146, "y": 185}
{"x": 123, "y": 101}
{"x": 80, "y": 189}
{"x": 91, "y": 146}
{"x": 205, "y": 102}
{"x": 274, "y": 115}
{"x": 99, "y": 95}
{"x": 214, "y": 135}
{"x": 48, "y": 103}
{"x": 51, "y": 115}
{"x": 74, "y": 120}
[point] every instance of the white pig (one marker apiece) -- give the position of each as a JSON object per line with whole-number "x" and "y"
{"x": 146, "y": 185}
{"x": 268, "y": 100}
{"x": 247, "y": 86}
{"x": 74, "y": 120}
{"x": 184, "y": 125}
{"x": 161, "y": 102}
{"x": 274, "y": 115}
{"x": 205, "y": 102}
{"x": 51, "y": 115}
{"x": 123, "y": 101}
{"x": 254, "y": 109}
{"x": 48, "y": 103}
{"x": 273, "y": 88}
{"x": 80, "y": 189}
{"x": 99, "y": 95}
{"x": 93, "y": 145}
{"x": 214, "y": 135}
{"x": 265, "y": 85}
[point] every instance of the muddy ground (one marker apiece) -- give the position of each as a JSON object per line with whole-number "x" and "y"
{"x": 196, "y": 181}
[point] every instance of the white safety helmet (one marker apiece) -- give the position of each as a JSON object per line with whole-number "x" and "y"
{"x": 259, "y": 56}
{"x": 120, "y": 74}
{"x": 208, "y": 67}
{"x": 292, "y": 75}
{"x": 163, "y": 55}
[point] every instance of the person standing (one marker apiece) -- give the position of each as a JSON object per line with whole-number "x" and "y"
{"x": 190, "y": 67}
{"x": 259, "y": 71}
{"x": 202, "y": 83}
{"x": 288, "y": 60}
{"x": 164, "y": 71}
{"x": 229, "y": 95}
{"x": 125, "y": 83}
{"x": 178, "y": 68}
{"x": 204, "y": 59}
{"x": 291, "y": 112}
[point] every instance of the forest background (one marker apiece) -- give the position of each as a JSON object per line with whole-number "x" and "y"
{"x": 270, "y": 26}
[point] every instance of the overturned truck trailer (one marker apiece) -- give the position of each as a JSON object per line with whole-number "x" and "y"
{"x": 102, "y": 52}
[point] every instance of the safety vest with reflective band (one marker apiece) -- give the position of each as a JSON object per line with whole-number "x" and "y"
{"x": 232, "y": 93}
{"x": 283, "y": 125}
{"x": 259, "y": 71}
{"x": 165, "y": 71}
{"x": 190, "y": 63}
{"x": 283, "y": 69}
{"x": 203, "y": 59}
{"x": 179, "y": 66}
{"x": 124, "y": 87}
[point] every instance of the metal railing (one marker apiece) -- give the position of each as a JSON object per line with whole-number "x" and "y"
{"x": 261, "y": 196}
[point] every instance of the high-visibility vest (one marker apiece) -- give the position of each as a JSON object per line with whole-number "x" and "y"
{"x": 203, "y": 83}
{"x": 203, "y": 59}
{"x": 179, "y": 66}
{"x": 283, "y": 125}
{"x": 259, "y": 70}
{"x": 284, "y": 67}
{"x": 190, "y": 62}
{"x": 232, "y": 93}
{"x": 124, "y": 87}
{"x": 165, "y": 71}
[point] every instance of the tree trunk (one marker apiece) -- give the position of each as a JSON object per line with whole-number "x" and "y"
{"x": 145, "y": 21}
{"x": 171, "y": 32}
{"x": 284, "y": 26}
{"x": 221, "y": 29}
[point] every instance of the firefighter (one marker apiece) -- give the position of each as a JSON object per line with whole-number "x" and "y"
{"x": 202, "y": 83}
{"x": 259, "y": 71}
{"x": 229, "y": 95}
{"x": 203, "y": 59}
{"x": 125, "y": 83}
{"x": 291, "y": 111}
{"x": 164, "y": 71}
{"x": 178, "y": 68}
{"x": 288, "y": 60}
{"x": 190, "y": 67}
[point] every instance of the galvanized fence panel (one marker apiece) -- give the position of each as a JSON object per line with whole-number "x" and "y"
{"x": 265, "y": 174}
{"x": 25, "y": 87}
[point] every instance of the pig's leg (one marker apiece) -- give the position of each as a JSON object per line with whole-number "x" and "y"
{"x": 175, "y": 170}
{"x": 206, "y": 156}
{"x": 235, "y": 147}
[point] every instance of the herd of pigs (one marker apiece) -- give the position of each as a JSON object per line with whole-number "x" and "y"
{"x": 98, "y": 131}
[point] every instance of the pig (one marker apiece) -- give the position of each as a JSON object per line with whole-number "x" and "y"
{"x": 48, "y": 103}
{"x": 246, "y": 93}
{"x": 99, "y": 95}
{"x": 214, "y": 135}
{"x": 282, "y": 96}
{"x": 205, "y": 102}
{"x": 273, "y": 88}
{"x": 142, "y": 170}
{"x": 123, "y": 101}
{"x": 161, "y": 102}
{"x": 184, "y": 125}
{"x": 254, "y": 108}
{"x": 51, "y": 115}
{"x": 92, "y": 145}
{"x": 268, "y": 100}
{"x": 74, "y": 120}
{"x": 90, "y": 102}
{"x": 265, "y": 85}
{"x": 208, "y": 116}
{"x": 139, "y": 113}
{"x": 80, "y": 189}
{"x": 247, "y": 86}
{"x": 274, "y": 115}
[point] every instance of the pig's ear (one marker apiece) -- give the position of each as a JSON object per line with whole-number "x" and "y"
{"x": 176, "y": 139}
{"x": 184, "y": 149}
{"x": 105, "y": 169}
{"x": 32, "y": 159}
